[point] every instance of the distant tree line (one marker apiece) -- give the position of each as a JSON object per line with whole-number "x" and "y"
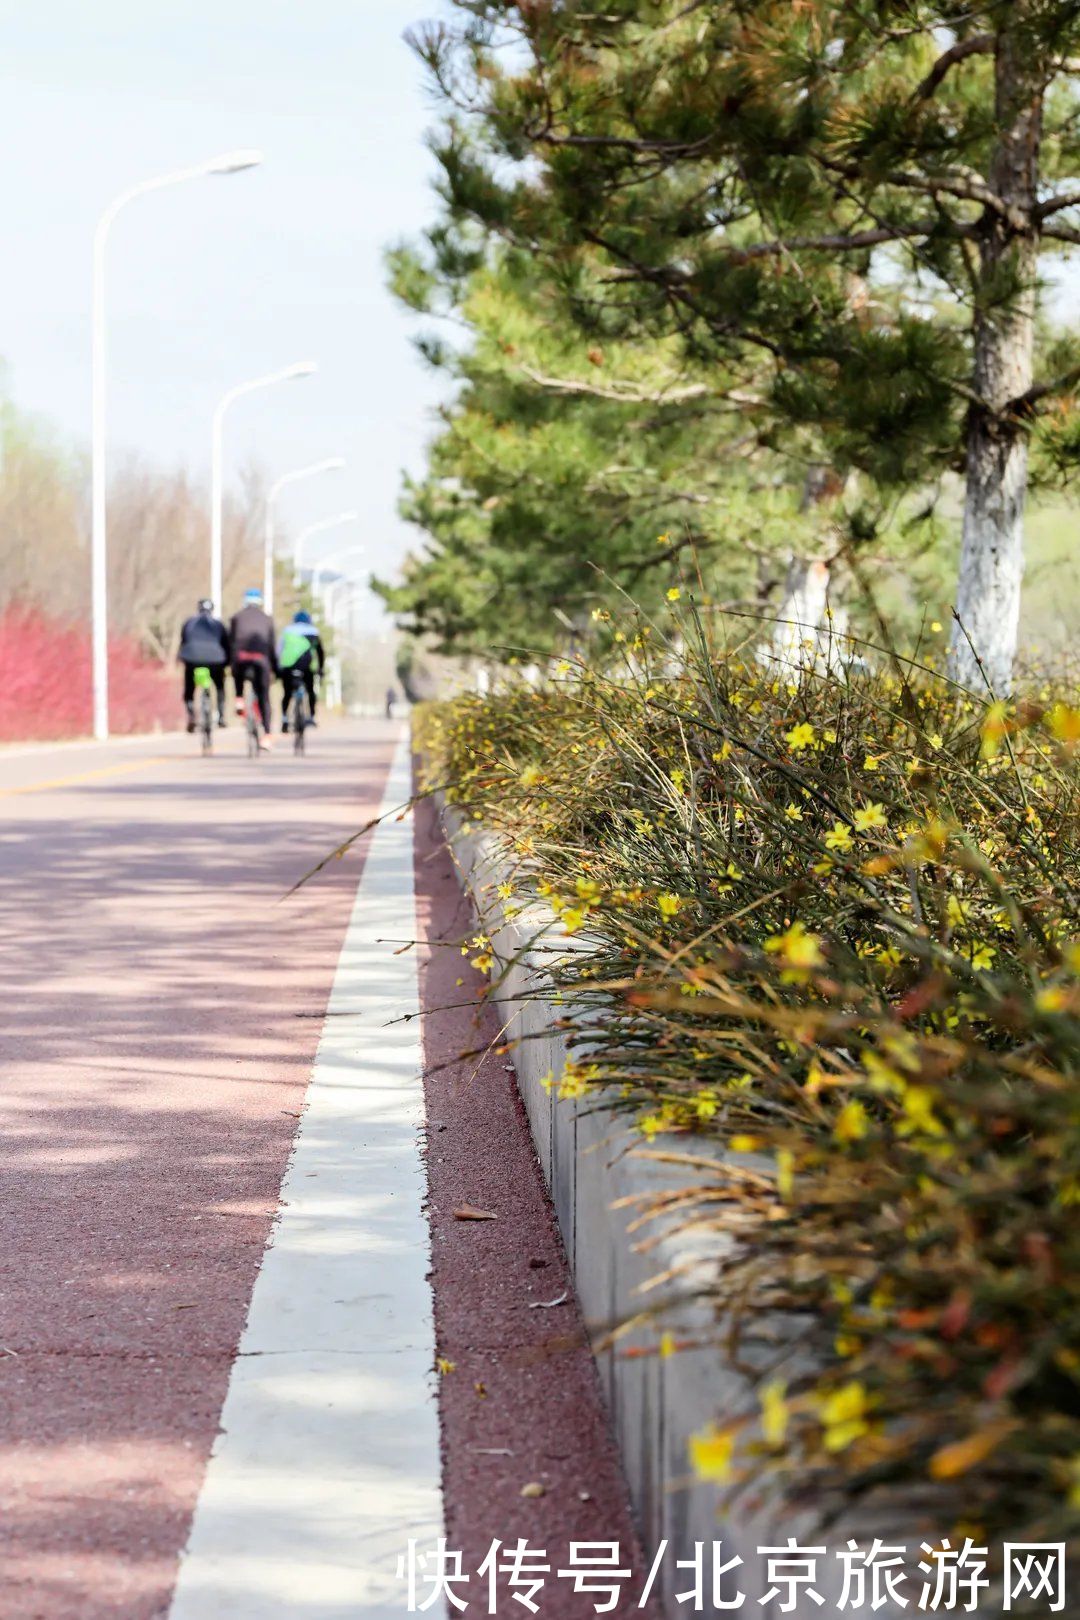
{"x": 158, "y": 537}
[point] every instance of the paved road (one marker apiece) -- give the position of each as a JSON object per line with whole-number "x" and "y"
{"x": 162, "y": 1008}
{"x": 194, "y": 1424}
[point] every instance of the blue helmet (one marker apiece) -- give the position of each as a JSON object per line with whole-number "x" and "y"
{"x": 301, "y": 616}
{"x": 253, "y": 597}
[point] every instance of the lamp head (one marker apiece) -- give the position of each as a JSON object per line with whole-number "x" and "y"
{"x": 246, "y": 157}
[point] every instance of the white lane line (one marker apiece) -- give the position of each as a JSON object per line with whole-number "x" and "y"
{"x": 329, "y": 1456}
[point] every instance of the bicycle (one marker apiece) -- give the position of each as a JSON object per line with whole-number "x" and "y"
{"x": 204, "y": 682}
{"x": 299, "y": 713}
{"x": 248, "y": 701}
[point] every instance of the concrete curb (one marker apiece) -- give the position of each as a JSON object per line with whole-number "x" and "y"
{"x": 598, "y": 1177}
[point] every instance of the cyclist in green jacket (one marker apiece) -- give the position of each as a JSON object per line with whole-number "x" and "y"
{"x": 300, "y": 657}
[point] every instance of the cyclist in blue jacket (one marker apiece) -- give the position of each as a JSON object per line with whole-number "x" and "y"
{"x": 300, "y": 656}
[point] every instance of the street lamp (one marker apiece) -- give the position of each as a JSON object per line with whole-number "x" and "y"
{"x": 316, "y": 528}
{"x": 333, "y": 464}
{"x": 226, "y": 163}
{"x": 302, "y": 368}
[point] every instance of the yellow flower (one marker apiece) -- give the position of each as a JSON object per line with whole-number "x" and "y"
{"x": 530, "y": 776}
{"x": 871, "y": 763}
{"x": 744, "y": 1144}
{"x": 936, "y": 627}
{"x": 851, "y": 1122}
{"x": 919, "y": 1116}
{"x": 711, "y": 1454}
{"x": 444, "y": 1366}
{"x": 793, "y": 813}
{"x": 674, "y": 593}
{"x": 839, "y": 838}
{"x": 785, "y": 1173}
{"x": 936, "y": 740}
{"x": 800, "y": 737}
{"x": 573, "y": 917}
{"x": 797, "y": 949}
{"x": 843, "y": 1417}
{"x": 667, "y": 1345}
{"x": 1065, "y": 724}
{"x": 870, "y": 816}
{"x": 982, "y": 957}
{"x": 669, "y": 904}
{"x": 994, "y": 730}
{"x": 723, "y": 752}
{"x": 774, "y": 1412}
{"x": 1052, "y": 999}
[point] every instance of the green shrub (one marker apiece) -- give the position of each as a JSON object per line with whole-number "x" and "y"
{"x": 835, "y": 925}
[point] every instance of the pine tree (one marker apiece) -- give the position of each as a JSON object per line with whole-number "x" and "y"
{"x": 566, "y": 472}
{"x": 854, "y": 199}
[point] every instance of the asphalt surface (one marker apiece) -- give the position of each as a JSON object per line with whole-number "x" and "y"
{"x": 162, "y": 1007}
{"x": 164, "y": 999}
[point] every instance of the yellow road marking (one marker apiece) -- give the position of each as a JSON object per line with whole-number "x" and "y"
{"x": 85, "y": 776}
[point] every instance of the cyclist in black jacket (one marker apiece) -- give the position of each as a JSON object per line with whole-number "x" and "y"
{"x": 204, "y": 644}
{"x": 254, "y": 655}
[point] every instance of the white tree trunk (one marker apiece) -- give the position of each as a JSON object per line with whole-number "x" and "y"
{"x": 991, "y": 560}
{"x": 805, "y": 632}
{"x": 992, "y": 548}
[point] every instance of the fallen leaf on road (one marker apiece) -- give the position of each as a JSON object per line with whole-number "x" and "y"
{"x": 534, "y": 1489}
{"x": 468, "y": 1212}
{"x": 549, "y": 1304}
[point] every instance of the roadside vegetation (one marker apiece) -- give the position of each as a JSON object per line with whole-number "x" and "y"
{"x": 829, "y": 923}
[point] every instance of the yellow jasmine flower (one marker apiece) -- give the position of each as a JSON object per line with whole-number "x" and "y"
{"x": 870, "y": 816}
{"x": 843, "y": 1417}
{"x": 711, "y": 1453}
{"x": 839, "y": 838}
{"x": 800, "y": 737}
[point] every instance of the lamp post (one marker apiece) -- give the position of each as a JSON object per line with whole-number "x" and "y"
{"x": 332, "y": 464}
{"x": 302, "y": 368}
{"x": 226, "y": 163}
{"x": 316, "y": 528}
{"x": 326, "y": 565}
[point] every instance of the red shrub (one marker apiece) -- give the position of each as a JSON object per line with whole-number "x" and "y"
{"x": 45, "y": 681}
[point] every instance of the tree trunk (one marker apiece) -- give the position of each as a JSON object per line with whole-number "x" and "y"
{"x": 992, "y": 547}
{"x": 803, "y": 638}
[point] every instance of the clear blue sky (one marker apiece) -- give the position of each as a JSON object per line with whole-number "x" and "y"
{"x": 222, "y": 279}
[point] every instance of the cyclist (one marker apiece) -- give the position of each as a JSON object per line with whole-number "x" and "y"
{"x": 300, "y": 657}
{"x": 204, "y": 644}
{"x": 254, "y": 656}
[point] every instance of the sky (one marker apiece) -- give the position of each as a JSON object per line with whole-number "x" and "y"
{"x": 222, "y": 279}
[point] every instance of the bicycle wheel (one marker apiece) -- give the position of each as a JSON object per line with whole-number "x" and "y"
{"x": 206, "y": 721}
{"x": 299, "y": 719}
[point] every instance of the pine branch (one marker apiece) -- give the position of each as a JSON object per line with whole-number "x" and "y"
{"x": 1054, "y": 205}
{"x": 974, "y": 45}
{"x": 846, "y": 242}
{"x": 628, "y": 395}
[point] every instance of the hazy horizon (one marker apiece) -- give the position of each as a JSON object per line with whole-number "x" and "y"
{"x": 223, "y": 279}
